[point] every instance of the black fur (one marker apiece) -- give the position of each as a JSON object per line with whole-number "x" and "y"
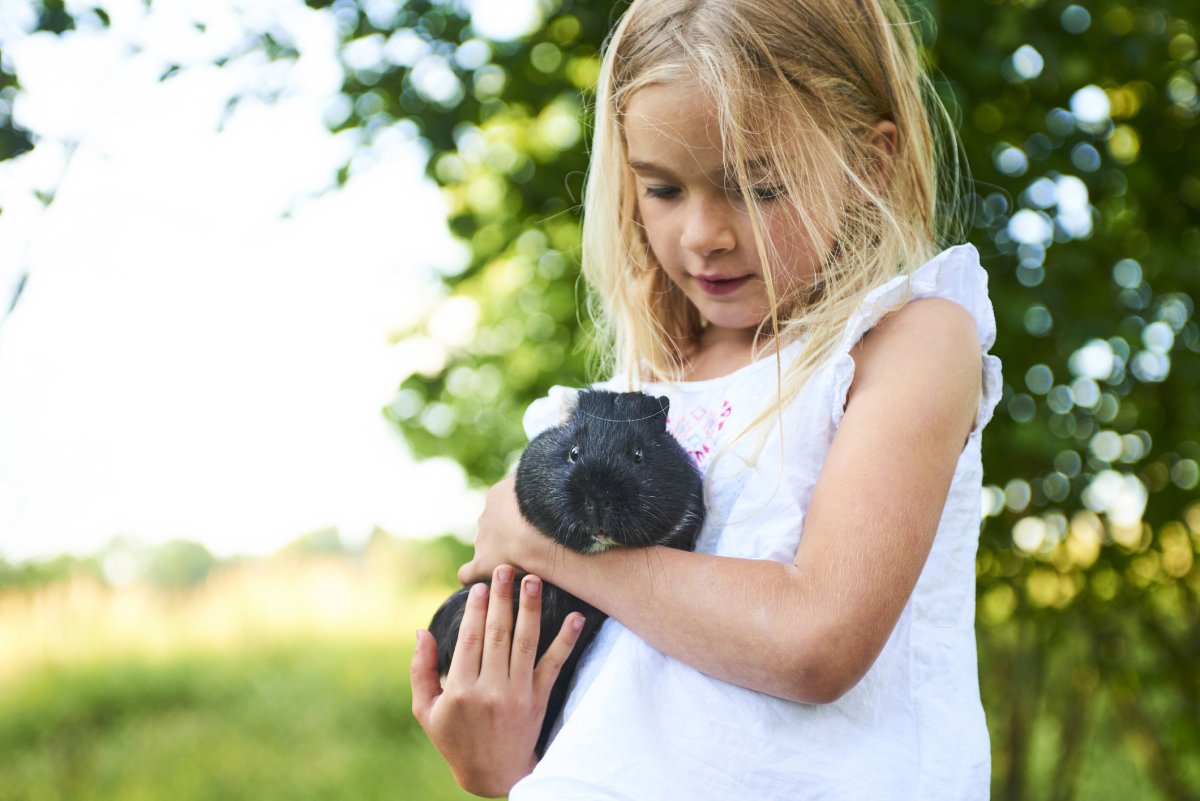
{"x": 610, "y": 476}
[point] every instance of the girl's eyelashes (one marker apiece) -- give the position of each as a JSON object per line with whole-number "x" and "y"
{"x": 662, "y": 192}
{"x": 764, "y": 193}
{"x": 769, "y": 192}
{"x": 761, "y": 193}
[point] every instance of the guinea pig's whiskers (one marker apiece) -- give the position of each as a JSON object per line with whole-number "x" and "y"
{"x": 652, "y": 556}
{"x": 620, "y": 419}
{"x": 552, "y": 552}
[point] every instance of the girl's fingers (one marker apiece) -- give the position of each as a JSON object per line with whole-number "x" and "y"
{"x": 551, "y": 663}
{"x": 497, "y": 639}
{"x": 423, "y": 675}
{"x": 468, "y": 650}
{"x": 528, "y": 629}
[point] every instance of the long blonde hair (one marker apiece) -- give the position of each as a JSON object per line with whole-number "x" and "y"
{"x": 799, "y": 83}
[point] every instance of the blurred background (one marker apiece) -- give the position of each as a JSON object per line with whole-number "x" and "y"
{"x": 277, "y": 280}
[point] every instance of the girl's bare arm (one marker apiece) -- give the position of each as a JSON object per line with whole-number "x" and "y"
{"x": 807, "y": 631}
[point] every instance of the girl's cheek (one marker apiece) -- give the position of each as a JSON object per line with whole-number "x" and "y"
{"x": 656, "y": 238}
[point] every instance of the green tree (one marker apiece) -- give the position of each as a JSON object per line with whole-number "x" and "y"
{"x": 178, "y": 564}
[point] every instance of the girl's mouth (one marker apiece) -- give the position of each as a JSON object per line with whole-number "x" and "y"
{"x": 721, "y": 286}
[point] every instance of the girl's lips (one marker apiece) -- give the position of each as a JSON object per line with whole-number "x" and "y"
{"x": 721, "y": 286}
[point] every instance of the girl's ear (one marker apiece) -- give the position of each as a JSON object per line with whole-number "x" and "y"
{"x": 882, "y": 143}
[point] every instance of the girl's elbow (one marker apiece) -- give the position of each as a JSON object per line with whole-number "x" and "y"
{"x": 820, "y": 677}
{"x": 820, "y": 687}
{"x": 834, "y": 686}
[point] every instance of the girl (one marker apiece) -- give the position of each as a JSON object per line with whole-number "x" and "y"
{"x": 760, "y": 224}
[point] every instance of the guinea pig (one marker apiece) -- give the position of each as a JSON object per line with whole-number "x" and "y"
{"x": 610, "y": 475}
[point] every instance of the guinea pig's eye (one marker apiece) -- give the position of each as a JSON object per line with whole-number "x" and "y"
{"x": 573, "y": 455}
{"x": 637, "y": 455}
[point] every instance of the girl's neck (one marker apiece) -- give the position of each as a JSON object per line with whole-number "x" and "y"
{"x": 719, "y": 352}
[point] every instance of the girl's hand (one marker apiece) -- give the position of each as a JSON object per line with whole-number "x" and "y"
{"x": 503, "y": 535}
{"x": 486, "y": 719}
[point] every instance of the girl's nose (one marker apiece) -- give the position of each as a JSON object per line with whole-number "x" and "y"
{"x": 707, "y": 229}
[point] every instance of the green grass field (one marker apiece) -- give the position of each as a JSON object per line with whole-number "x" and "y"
{"x": 306, "y": 720}
{"x": 286, "y": 679}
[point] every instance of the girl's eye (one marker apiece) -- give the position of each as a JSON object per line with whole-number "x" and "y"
{"x": 573, "y": 455}
{"x": 637, "y": 456}
{"x": 662, "y": 192}
{"x": 766, "y": 193}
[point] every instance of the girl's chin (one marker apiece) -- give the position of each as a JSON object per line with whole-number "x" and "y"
{"x": 741, "y": 328}
{"x": 725, "y": 316}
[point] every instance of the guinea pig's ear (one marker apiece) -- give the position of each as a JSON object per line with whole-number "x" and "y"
{"x": 665, "y": 403}
{"x": 568, "y": 402}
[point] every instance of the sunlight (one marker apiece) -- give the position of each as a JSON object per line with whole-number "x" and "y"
{"x": 202, "y": 346}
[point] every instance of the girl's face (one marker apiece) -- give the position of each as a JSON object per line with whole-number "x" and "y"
{"x": 696, "y": 220}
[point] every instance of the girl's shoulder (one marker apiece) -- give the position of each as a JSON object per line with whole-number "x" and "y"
{"x": 933, "y": 323}
{"x": 926, "y": 337}
{"x": 955, "y": 274}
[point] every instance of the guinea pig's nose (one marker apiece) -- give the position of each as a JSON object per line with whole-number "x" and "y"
{"x": 597, "y": 504}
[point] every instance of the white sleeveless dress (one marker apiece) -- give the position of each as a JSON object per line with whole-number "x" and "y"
{"x": 641, "y": 725}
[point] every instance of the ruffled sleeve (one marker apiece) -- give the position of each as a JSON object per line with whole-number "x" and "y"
{"x": 548, "y": 411}
{"x": 954, "y": 274}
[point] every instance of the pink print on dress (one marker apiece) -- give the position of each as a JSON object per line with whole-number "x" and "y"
{"x": 697, "y": 430}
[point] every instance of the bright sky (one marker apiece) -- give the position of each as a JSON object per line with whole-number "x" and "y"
{"x": 185, "y": 361}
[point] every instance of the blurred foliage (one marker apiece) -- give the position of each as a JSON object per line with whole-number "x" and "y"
{"x": 179, "y": 564}
{"x": 310, "y": 720}
{"x": 321, "y": 541}
{"x": 272, "y": 678}
{"x": 431, "y": 563}
{"x": 37, "y": 573}
{"x": 173, "y": 565}
{"x": 1079, "y": 123}
{"x": 182, "y": 564}
{"x": 505, "y": 123}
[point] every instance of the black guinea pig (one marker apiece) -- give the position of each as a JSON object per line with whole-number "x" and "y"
{"x": 610, "y": 475}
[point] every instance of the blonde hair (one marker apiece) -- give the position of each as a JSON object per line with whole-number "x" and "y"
{"x": 800, "y": 84}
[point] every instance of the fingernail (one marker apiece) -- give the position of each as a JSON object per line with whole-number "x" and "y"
{"x": 504, "y": 573}
{"x": 533, "y": 585}
{"x": 479, "y": 590}
{"x": 577, "y": 623}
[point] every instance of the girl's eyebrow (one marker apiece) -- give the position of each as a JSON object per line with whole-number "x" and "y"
{"x": 648, "y": 166}
{"x": 756, "y": 166}
{"x": 659, "y": 171}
